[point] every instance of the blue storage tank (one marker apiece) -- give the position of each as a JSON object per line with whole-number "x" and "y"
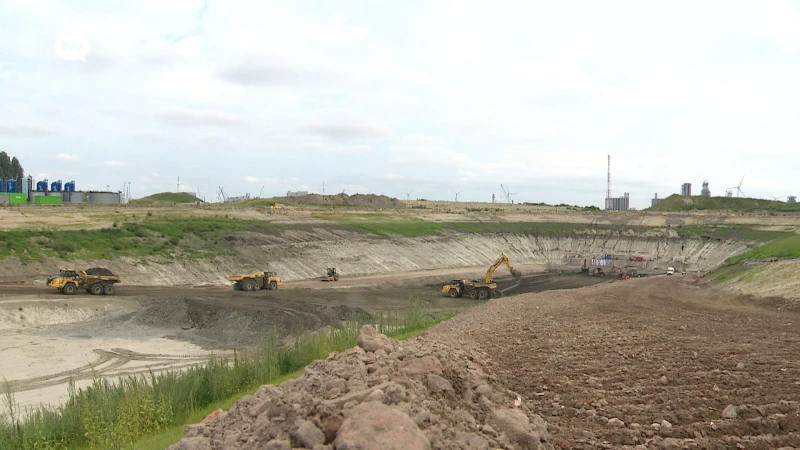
{"x": 11, "y": 186}
{"x": 41, "y": 186}
{"x": 55, "y": 186}
{"x": 69, "y": 186}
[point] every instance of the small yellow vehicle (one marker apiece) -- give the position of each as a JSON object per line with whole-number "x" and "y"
{"x": 68, "y": 281}
{"x": 256, "y": 281}
{"x": 333, "y": 275}
{"x": 480, "y": 289}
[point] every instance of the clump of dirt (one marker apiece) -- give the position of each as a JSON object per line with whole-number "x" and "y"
{"x": 381, "y": 394}
{"x": 217, "y": 323}
{"x": 101, "y": 271}
{"x": 380, "y": 201}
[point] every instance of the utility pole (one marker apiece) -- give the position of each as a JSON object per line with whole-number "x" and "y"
{"x": 179, "y": 184}
{"x": 323, "y": 188}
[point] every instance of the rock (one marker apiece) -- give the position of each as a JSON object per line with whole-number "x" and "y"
{"x": 308, "y": 435}
{"x": 421, "y": 366}
{"x": 471, "y": 441}
{"x": 516, "y": 425}
{"x": 740, "y": 366}
{"x": 715, "y": 388}
{"x": 376, "y": 426}
{"x": 670, "y": 444}
{"x": 278, "y": 445}
{"x": 666, "y": 425}
{"x": 488, "y": 430}
{"x": 435, "y": 383}
{"x": 663, "y": 380}
{"x": 614, "y": 422}
{"x": 371, "y": 340}
{"x": 730, "y": 412}
{"x": 330, "y": 426}
{"x": 192, "y": 443}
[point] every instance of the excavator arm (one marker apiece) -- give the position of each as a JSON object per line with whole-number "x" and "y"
{"x": 502, "y": 259}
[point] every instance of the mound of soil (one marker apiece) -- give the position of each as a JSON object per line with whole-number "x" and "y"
{"x": 101, "y": 271}
{"x": 380, "y": 201}
{"x": 217, "y": 323}
{"x": 382, "y": 394}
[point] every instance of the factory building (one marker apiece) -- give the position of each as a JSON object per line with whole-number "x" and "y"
{"x": 686, "y": 189}
{"x": 618, "y": 203}
{"x": 655, "y": 200}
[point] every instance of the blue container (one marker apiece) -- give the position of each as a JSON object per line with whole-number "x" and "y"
{"x": 2, "y": 185}
{"x": 69, "y": 186}
{"x": 55, "y": 186}
{"x": 11, "y": 186}
{"x": 41, "y": 186}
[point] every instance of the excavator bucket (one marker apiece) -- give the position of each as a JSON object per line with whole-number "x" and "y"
{"x": 516, "y": 273}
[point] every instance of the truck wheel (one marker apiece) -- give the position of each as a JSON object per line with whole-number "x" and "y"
{"x": 256, "y": 285}
{"x": 108, "y": 289}
{"x": 96, "y": 289}
{"x": 237, "y": 286}
{"x": 273, "y": 286}
{"x": 336, "y": 277}
{"x": 68, "y": 289}
{"x": 473, "y": 294}
{"x": 483, "y": 294}
{"x": 453, "y": 292}
{"x": 248, "y": 285}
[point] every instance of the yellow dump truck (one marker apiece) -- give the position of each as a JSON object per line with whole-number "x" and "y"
{"x": 68, "y": 281}
{"x": 480, "y": 289}
{"x": 256, "y": 281}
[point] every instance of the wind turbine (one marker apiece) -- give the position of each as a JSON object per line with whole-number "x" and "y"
{"x": 454, "y": 191}
{"x": 509, "y": 193}
{"x": 738, "y": 188}
{"x": 408, "y": 195}
{"x": 777, "y": 199}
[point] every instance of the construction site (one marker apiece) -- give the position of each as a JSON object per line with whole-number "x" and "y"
{"x": 566, "y": 329}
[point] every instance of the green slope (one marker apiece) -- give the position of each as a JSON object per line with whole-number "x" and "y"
{"x": 677, "y": 202}
{"x": 169, "y": 197}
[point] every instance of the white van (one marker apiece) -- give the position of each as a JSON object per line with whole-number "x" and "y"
{"x": 670, "y": 271}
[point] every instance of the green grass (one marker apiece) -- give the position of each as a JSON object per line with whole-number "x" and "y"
{"x": 167, "y": 197}
{"x": 117, "y": 415}
{"x": 784, "y": 247}
{"x": 677, "y": 202}
{"x": 153, "y": 235}
{"x": 731, "y": 232}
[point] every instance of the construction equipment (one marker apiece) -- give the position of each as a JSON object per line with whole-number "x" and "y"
{"x": 480, "y": 289}
{"x": 597, "y": 272}
{"x": 333, "y": 275}
{"x": 256, "y": 281}
{"x": 69, "y": 280}
{"x": 622, "y": 274}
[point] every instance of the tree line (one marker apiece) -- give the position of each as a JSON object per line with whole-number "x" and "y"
{"x": 11, "y": 169}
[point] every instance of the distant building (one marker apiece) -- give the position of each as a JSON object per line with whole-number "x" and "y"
{"x": 791, "y": 199}
{"x": 296, "y": 193}
{"x": 655, "y": 200}
{"x": 619, "y": 203}
{"x": 686, "y": 189}
{"x": 705, "y": 192}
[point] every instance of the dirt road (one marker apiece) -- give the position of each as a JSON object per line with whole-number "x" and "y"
{"x": 660, "y": 360}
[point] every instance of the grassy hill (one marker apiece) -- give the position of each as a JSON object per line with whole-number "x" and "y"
{"x": 677, "y": 202}
{"x": 168, "y": 197}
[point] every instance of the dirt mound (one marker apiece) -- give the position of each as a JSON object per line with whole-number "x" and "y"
{"x": 380, "y": 201}
{"x": 248, "y": 322}
{"x": 382, "y": 394}
{"x": 102, "y": 271}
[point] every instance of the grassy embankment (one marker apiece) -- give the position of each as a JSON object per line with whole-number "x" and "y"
{"x": 786, "y": 247}
{"x": 677, "y": 202}
{"x": 118, "y": 415}
{"x": 166, "y": 197}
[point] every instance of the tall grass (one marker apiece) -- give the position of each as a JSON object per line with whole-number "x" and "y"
{"x": 116, "y": 414}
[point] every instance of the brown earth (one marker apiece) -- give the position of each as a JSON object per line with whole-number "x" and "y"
{"x": 658, "y": 362}
{"x": 378, "y": 201}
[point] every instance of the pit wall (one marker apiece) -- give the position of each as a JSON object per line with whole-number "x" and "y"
{"x": 305, "y": 255}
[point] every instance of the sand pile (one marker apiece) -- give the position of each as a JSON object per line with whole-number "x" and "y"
{"x": 382, "y": 394}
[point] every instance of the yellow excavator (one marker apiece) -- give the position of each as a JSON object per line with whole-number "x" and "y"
{"x": 480, "y": 289}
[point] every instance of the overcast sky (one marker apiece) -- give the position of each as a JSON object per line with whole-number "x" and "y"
{"x": 389, "y": 97}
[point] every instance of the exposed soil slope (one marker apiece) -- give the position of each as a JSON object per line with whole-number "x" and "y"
{"x": 297, "y": 255}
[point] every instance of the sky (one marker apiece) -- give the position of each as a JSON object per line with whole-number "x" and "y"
{"x": 411, "y": 99}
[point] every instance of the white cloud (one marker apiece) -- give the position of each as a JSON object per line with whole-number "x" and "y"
{"x": 68, "y": 157}
{"x": 116, "y": 163}
{"x": 534, "y": 94}
{"x": 257, "y": 180}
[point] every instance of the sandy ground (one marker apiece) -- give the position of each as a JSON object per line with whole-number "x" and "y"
{"x": 47, "y": 338}
{"x": 659, "y": 361}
